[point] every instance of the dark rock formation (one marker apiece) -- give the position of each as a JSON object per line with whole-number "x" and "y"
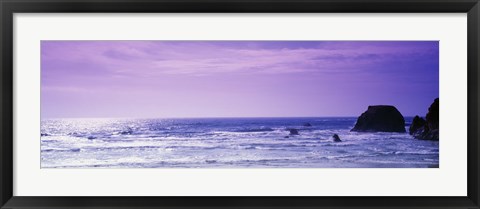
{"x": 416, "y": 125}
{"x": 307, "y": 124}
{"x": 336, "y": 138}
{"x": 429, "y": 129}
{"x": 433, "y": 115}
{"x": 380, "y": 118}
{"x": 293, "y": 131}
{"x": 126, "y": 132}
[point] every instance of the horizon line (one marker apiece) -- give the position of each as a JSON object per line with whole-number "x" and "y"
{"x": 210, "y": 117}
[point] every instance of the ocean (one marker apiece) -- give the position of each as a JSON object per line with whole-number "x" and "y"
{"x": 228, "y": 143}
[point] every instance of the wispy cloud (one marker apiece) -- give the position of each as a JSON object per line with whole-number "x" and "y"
{"x": 150, "y": 58}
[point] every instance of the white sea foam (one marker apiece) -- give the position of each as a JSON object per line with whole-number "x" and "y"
{"x": 227, "y": 143}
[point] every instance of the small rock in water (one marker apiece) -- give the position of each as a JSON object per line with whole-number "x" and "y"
{"x": 307, "y": 124}
{"x": 126, "y": 132}
{"x": 336, "y": 138}
{"x": 293, "y": 131}
{"x": 417, "y": 125}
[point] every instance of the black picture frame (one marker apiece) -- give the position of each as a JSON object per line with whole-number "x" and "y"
{"x": 9, "y": 7}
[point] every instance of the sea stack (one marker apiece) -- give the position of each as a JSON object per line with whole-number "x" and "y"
{"x": 380, "y": 118}
{"x": 429, "y": 129}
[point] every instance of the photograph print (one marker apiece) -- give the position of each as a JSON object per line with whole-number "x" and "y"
{"x": 239, "y": 104}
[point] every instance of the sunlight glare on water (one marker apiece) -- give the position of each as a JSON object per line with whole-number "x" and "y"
{"x": 226, "y": 143}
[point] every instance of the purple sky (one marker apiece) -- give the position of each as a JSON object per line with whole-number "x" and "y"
{"x": 235, "y": 78}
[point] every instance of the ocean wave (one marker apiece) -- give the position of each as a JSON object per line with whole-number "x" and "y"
{"x": 124, "y": 147}
{"x": 235, "y": 143}
{"x": 254, "y": 130}
{"x": 61, "y": 150}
